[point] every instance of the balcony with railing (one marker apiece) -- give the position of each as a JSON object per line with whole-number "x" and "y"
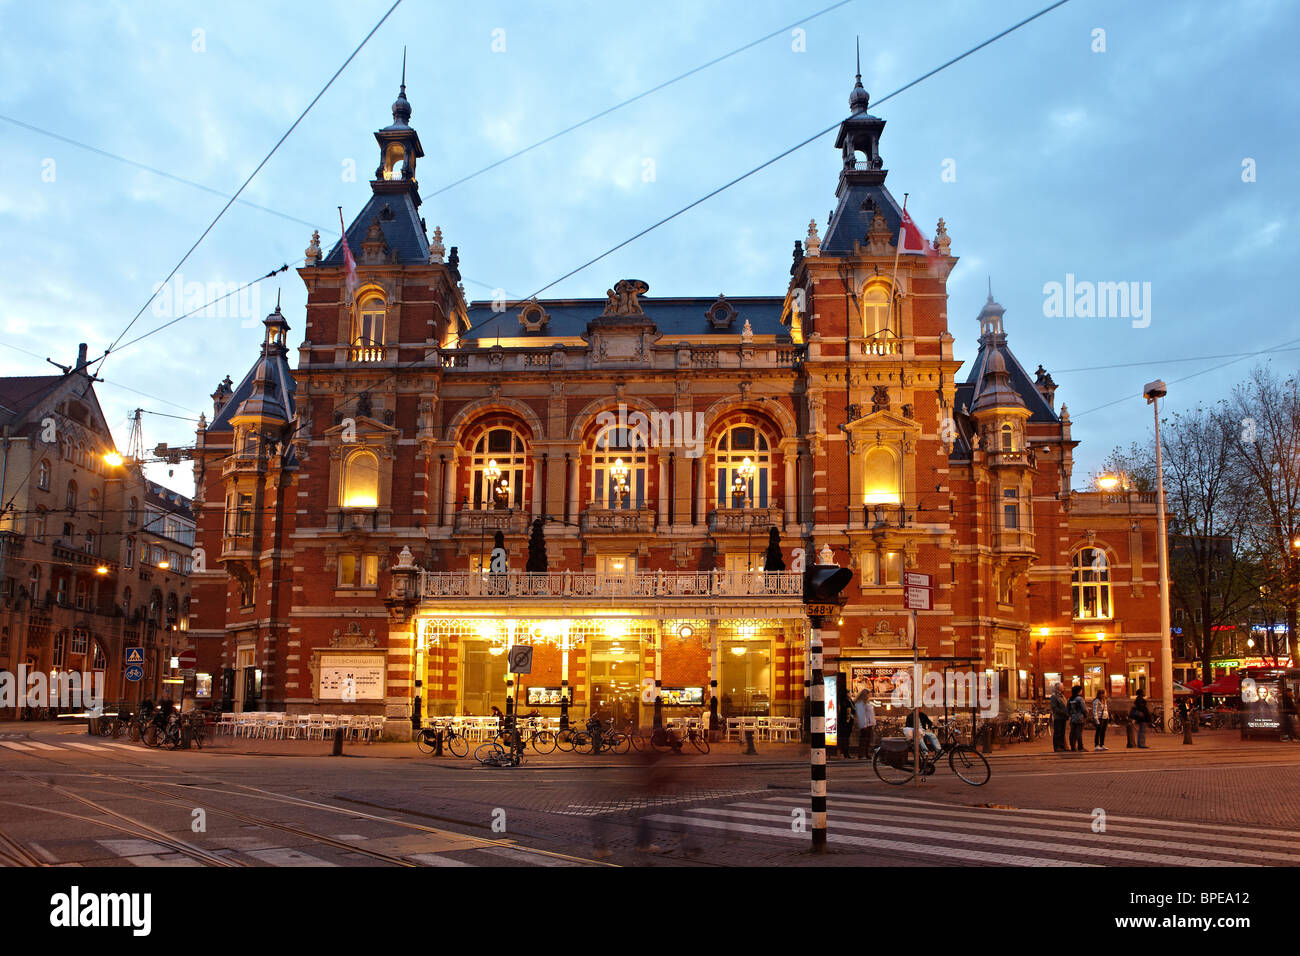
{"x": 237, "y": 544}
{"x": 646, "y": 585}
{"x": 471, "y": 521}
{"x": 618, "y": 521}
{"x": 366, "y": 354}
{"x": 744, "y": 520}
{"x": 244, "y": 463}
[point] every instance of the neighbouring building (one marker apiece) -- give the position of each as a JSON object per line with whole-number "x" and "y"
{"x": 435, "y": 480}
{"x": 84, "y": 544}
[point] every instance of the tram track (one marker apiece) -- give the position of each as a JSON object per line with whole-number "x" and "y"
{"x": 141, "y": 830}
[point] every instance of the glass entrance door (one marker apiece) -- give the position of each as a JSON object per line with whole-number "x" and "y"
{"x": 614, "y": 673}
{"x": 745, "y": 687}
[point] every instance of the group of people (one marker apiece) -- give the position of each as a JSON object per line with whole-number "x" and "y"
{"x": 1074, "y": 712}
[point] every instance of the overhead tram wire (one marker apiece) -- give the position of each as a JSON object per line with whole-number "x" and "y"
{"x": 798, "y": 146}
{"x": 630, "y": 100}
{"x": 251, "y": 175}
{"x": 956, "y": 59}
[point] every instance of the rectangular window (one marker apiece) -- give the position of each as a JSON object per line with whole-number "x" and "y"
{"x": 61, "y": 594}
{"x": 882, "y": 569}
{"x": 80, "y": 642}
{"x": 130, "y": 553}
{"x": 1137, "y": 679}
{"x": 82, "y": 595}
{"x": 38, "y": 528}
{"x": 245, "y": 515}
{"x": 1010, "y": 509}
{"x": 358, "y": 571}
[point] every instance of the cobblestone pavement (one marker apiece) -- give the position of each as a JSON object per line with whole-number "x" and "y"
{"x": 70, "y": 798}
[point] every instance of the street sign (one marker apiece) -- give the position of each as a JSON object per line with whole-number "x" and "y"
{"x": 186, "y": 660}
{"x": 914, "y": 579}
{"x": 917, "y": 599}
{"x": 134, "y": 672}
{"x": 135, "y": 655}
{"x": 521, "y": 659}
{"x": 188, "y": 672}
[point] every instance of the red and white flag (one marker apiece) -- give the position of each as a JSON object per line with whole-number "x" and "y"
{"x": 350, "y": 263}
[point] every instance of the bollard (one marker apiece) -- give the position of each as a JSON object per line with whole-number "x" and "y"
{"x": 1132, "y": 733}
{"x": 185, "y": 735}
{"x": 749, "y": 743}
{"x": 987, "y": 743}
{"x": 1187, "y": 731}
{"x": 1196, "y": 720}
{"x": 437, "y": 744}
{"x": 338, "y": 742}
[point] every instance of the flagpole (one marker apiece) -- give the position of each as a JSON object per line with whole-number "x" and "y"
{"x": 893, "y": 276}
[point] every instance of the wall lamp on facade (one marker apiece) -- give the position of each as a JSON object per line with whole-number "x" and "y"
{"x": 113, "y": 458}
{"x": 101, "y": 570}
{"x": 164, "y": 565}
{"x": 1101, "y": 636}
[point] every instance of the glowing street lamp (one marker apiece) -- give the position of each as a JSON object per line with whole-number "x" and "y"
{"x": 619, "y": 475}
{"x": 1108, "y": 482}
{"x": 746, "y": 473}
{"x": 492, "y": 473}
{"x": 113, "y": 458}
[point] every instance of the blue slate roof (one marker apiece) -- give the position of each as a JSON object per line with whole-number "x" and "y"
{"x": 403, "y": 230}
{"x": 852, "y": 217}
{"x": 678, "y": 316}
{"x": 282, "y": 387}
{"x": 1020, "y": 381}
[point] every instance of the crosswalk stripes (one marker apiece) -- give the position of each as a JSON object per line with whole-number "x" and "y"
{"x": 40, "y": 746}
{"x": 965, "y": 834}
{"x": 15, "y": 745}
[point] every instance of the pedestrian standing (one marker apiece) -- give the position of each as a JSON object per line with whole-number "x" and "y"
{"x": 1077, "y": 712}
{"x": 845, "y": 726}
{"x": 1100, "y": 717}
{"x": 866, "y": 715}
{"x": 1141, "y": 715}
{"x": 1059, "y": 716}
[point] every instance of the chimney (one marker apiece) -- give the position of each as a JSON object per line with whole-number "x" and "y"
{"x": 81, "y": 356}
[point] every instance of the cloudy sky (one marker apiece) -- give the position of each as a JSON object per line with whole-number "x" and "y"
{"x": 1165, "y": 159}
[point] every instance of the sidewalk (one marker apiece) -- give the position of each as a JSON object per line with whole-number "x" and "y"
{"x": 723, "y": 754}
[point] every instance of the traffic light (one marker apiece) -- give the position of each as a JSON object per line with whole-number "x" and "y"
{"x": 822, "y": 583}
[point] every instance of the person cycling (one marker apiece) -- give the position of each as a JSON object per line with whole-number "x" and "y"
{"x": 927, "y": 727}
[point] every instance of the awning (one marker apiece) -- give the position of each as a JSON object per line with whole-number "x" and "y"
{"x": 1229, "y": 685}
{"x": 1182, "y": 690}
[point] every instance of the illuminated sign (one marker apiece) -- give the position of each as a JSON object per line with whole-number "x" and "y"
{"x": 832, "y": 709}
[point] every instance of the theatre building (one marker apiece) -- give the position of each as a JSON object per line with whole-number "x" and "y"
{"x": 618, "y": 482}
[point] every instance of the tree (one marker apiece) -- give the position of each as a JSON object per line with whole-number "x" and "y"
{"x": 1212, "y": 577}
{"x": 1266, "y": 421}
{"x": 536, "y": 549}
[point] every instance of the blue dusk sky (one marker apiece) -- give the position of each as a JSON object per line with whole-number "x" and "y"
{"x": 1165, "y": 159}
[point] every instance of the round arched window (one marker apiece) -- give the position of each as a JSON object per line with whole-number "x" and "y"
{"x": 361, "y": 480}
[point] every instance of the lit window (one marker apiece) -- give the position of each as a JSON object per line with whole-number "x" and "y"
{"x": 1091, "y": 585}
{"x": 880, "y": 478}
{"x": 743, "y": 468}
{"x": 882, "y": 569}
{"x": 99, "y": 662}
{"x": 361, "y": 481}
{"x": 618, "y": 468}
{"x": 498, "y": 469}
{"x": 358, "y": 570}
{"x": 369, "y": 331}
{"x": 876, "y": 319}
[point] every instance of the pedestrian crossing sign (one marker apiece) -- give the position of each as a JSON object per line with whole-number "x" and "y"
{"x": 135, "y": 655}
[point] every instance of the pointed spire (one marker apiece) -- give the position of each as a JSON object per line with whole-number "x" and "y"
{"x": 401, "y": 106}
{"x": 859, "y": 99}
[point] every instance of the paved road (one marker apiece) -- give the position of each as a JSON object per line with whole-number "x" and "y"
{"x": 66, "y": 798}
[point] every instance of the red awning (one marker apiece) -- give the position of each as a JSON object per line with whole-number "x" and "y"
{"x": 1228, "y": 685}
{"x": 1194, "y": 685}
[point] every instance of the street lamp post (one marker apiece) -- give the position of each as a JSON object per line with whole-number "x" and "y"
{"x": 1153, "y": 392}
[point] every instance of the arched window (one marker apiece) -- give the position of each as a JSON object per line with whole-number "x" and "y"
{"x": 361, "y": 480}
{"x": 38, "y": 525}
{"x": 155, "y": 607}
{"x": 128, "y": 558}
{"x": 368, "y": 332}
{"x": 618, "y": 468}
{"x": 1008, "y": 442}
{"x": 743, "y": 468}
{"x": 1090, "y": 586}
{"x": 876, "y": 313}
{"x": 498, "y": 469}
{"x": 71, "y": 502}
{"x": 173, "y": 609}
{"x": 880, "y": 478}
{"x": 43, "y": 475}
{"x": 94, "y": 500}
{"x": 98, "y": 661}
{"x": 60, "y": 649}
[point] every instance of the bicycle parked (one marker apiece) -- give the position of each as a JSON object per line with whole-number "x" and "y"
{"x": 426, "y": 738}
{"x": 493, "y": 754}
{"x": 664, "y": 740}
{"x": 894, "y": 760}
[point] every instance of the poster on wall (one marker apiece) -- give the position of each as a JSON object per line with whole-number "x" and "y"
{"x": 832, "y": 709}
{"x": 878, "y": 679}
{"x": 351, "y": 677}
{"x": 1261, "y": 704}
